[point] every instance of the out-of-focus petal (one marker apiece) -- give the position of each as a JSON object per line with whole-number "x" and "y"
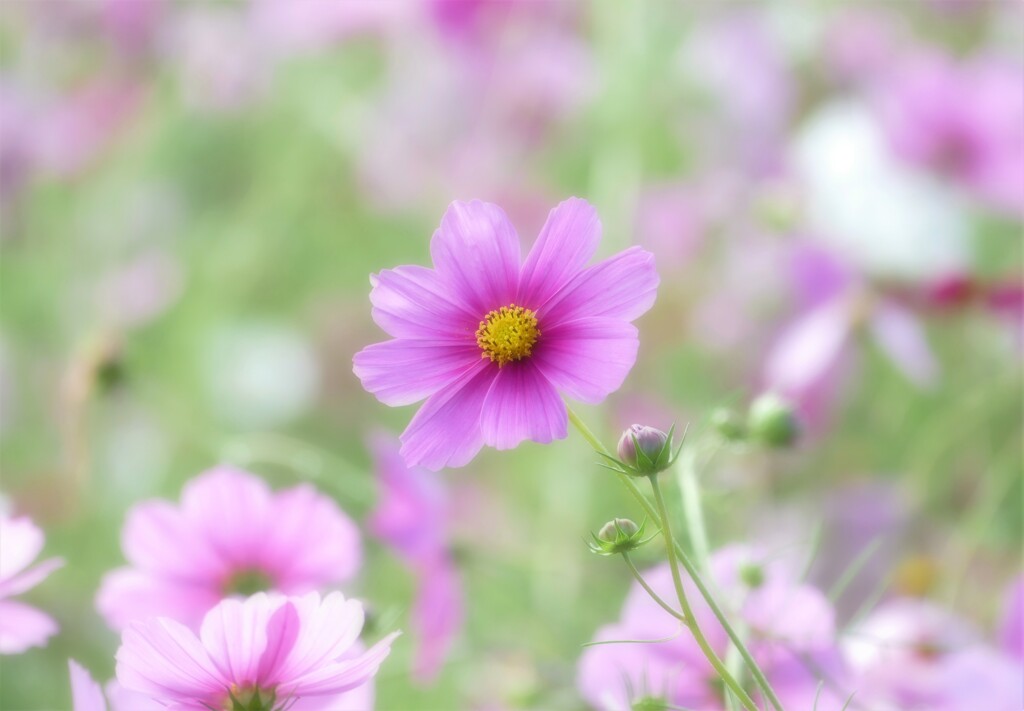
{"x": 808, "y": 349}
{"x": 20, "y": 543}
{"x": 127, "y": 594}
{"x": 86, "y": 694}
{"x": 437, "y": 615}
{"x": 22, "y": 627}
{"x": 902, "y": 338}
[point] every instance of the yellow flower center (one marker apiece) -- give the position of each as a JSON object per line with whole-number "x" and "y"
{"x": 508, "y": 334}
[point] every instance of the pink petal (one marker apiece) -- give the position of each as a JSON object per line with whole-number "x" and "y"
{"x": 808, "y": 349}
{"x": 234, "y": 635}
{"x": 902, "y": 338}
{"x": 20, "y": 543}
{"x": 566, "y": 243}
{"x": 437, "y": 617}
{"x": 283, "y": 630}
{"x": 22, "y": 627}
{"x": 446, "y": 430}
{"x": 158, "y": 538}
{"x": 521, "y": 404}
{"x": 30, "y": 578}
{"x": 346, "y": 674}
{"x": 164, "y": 659}
{"x": 314, "y": 543}
{"x": 127, "y": 595}
{"x": 587, "y": 358}
{"x": 417, "y": 303}
{"x": 401, "y": 372}
{"x": 86, "y": 694}
{"x": 623, "y": 286}
{"x": 799, "y": 616}
{"x": 476, "y": 250}
{"x": 230, "y": 510}
{"x": 328, "y": 629}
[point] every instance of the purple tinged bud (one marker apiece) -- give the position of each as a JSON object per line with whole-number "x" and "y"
{"x": 645, "y": 449}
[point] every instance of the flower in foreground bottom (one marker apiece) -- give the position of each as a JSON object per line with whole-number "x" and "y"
{"x": 492, "y": 343}
{"x": 264, "y": 653}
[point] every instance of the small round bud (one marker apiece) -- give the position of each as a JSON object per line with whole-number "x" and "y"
{"x": 619, "y": 535}
{"x": 645, "y": 449}
{"x": 752, "y": 575}
{"x": 771, "y": 420}
{"x": 616, "y": 528}
{"x": 728, "y": 424}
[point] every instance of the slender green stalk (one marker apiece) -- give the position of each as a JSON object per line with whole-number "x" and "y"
{"x": 693, "y": 511}
{"x": 688, "y": 565}
{"x": 677, "y": 581}
{"x": 654, "y": 596}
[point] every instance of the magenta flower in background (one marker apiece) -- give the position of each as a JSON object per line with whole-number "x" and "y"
{"x": 410, "y": 517}
{"x": 1012, "y": 629}
{"x": 22, "y": 626}
{"x": 301, "y": 652}
{"x": 914, "y": 654}
{"x": 492, "y": 343}
{"x": 964, "y": 120}
{"x": 231, "y": 535}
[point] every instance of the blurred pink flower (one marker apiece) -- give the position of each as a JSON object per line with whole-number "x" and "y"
{"x": 788, "y": 621}
{"x": 22, "y": 626}
{"x": 302, "y": 652}
{"x": 491, "y": 343}
{"x": 411, "y": 517}
{"x": 231, "y": 535}
{"x": 835, "y": 304}
{"x": 914, "y": 654}
{"x": 86, "y": 694}
{"x": 965, "y": 120}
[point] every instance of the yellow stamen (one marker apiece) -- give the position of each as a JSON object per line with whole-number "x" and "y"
{"x": 508, "y": 334}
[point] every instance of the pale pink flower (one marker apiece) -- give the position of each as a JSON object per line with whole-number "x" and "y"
{"x": 493, "y": 342}
{"x": 86, "y": 694}
{"x": 231, "y": 535}
{"x": 22, "y": 626}
{"x": 301, "y": 652}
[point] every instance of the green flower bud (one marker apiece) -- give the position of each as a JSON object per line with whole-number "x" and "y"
{"x": 645, "y": 450}
{"x": 752, "y": 575}
{"x": 771, "y": 420}
{"x": 619, "y": 535}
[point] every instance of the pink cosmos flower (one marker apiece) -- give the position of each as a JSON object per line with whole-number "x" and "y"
{"x": 789, "y": 623}
{"x": 22, "y": 626}
{"x": 493, "y": 342}
{"x": 914, "y": 654}
{"x": 230, "y": 535}
{"x": 410, "y": 517}
{"x": 266, "y": 652}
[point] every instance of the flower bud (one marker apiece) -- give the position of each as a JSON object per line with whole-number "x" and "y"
{"x": 728, "y": 424}
{"x": 752, "y": 575}
{"x": 645, "y": 450}
{"x": 616, "y": 527}
{"x": 619, "y": 535}
{"x": 771, "y": 420}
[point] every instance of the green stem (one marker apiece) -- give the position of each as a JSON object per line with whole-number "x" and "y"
{"x": 677, "y": 581}
{"x": 693, "y": 510}
{"x": 654, "y": 596}
{"x": 688, "y": 565}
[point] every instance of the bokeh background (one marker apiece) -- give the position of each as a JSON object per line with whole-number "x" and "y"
{"x": 194, "y": 194}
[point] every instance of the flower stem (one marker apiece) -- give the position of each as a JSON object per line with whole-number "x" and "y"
{"x": 654, "y": 596}
{"x": 687, "y": 564}
{"x": 693, "y": 511}
{"x": 698, "y": 634}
